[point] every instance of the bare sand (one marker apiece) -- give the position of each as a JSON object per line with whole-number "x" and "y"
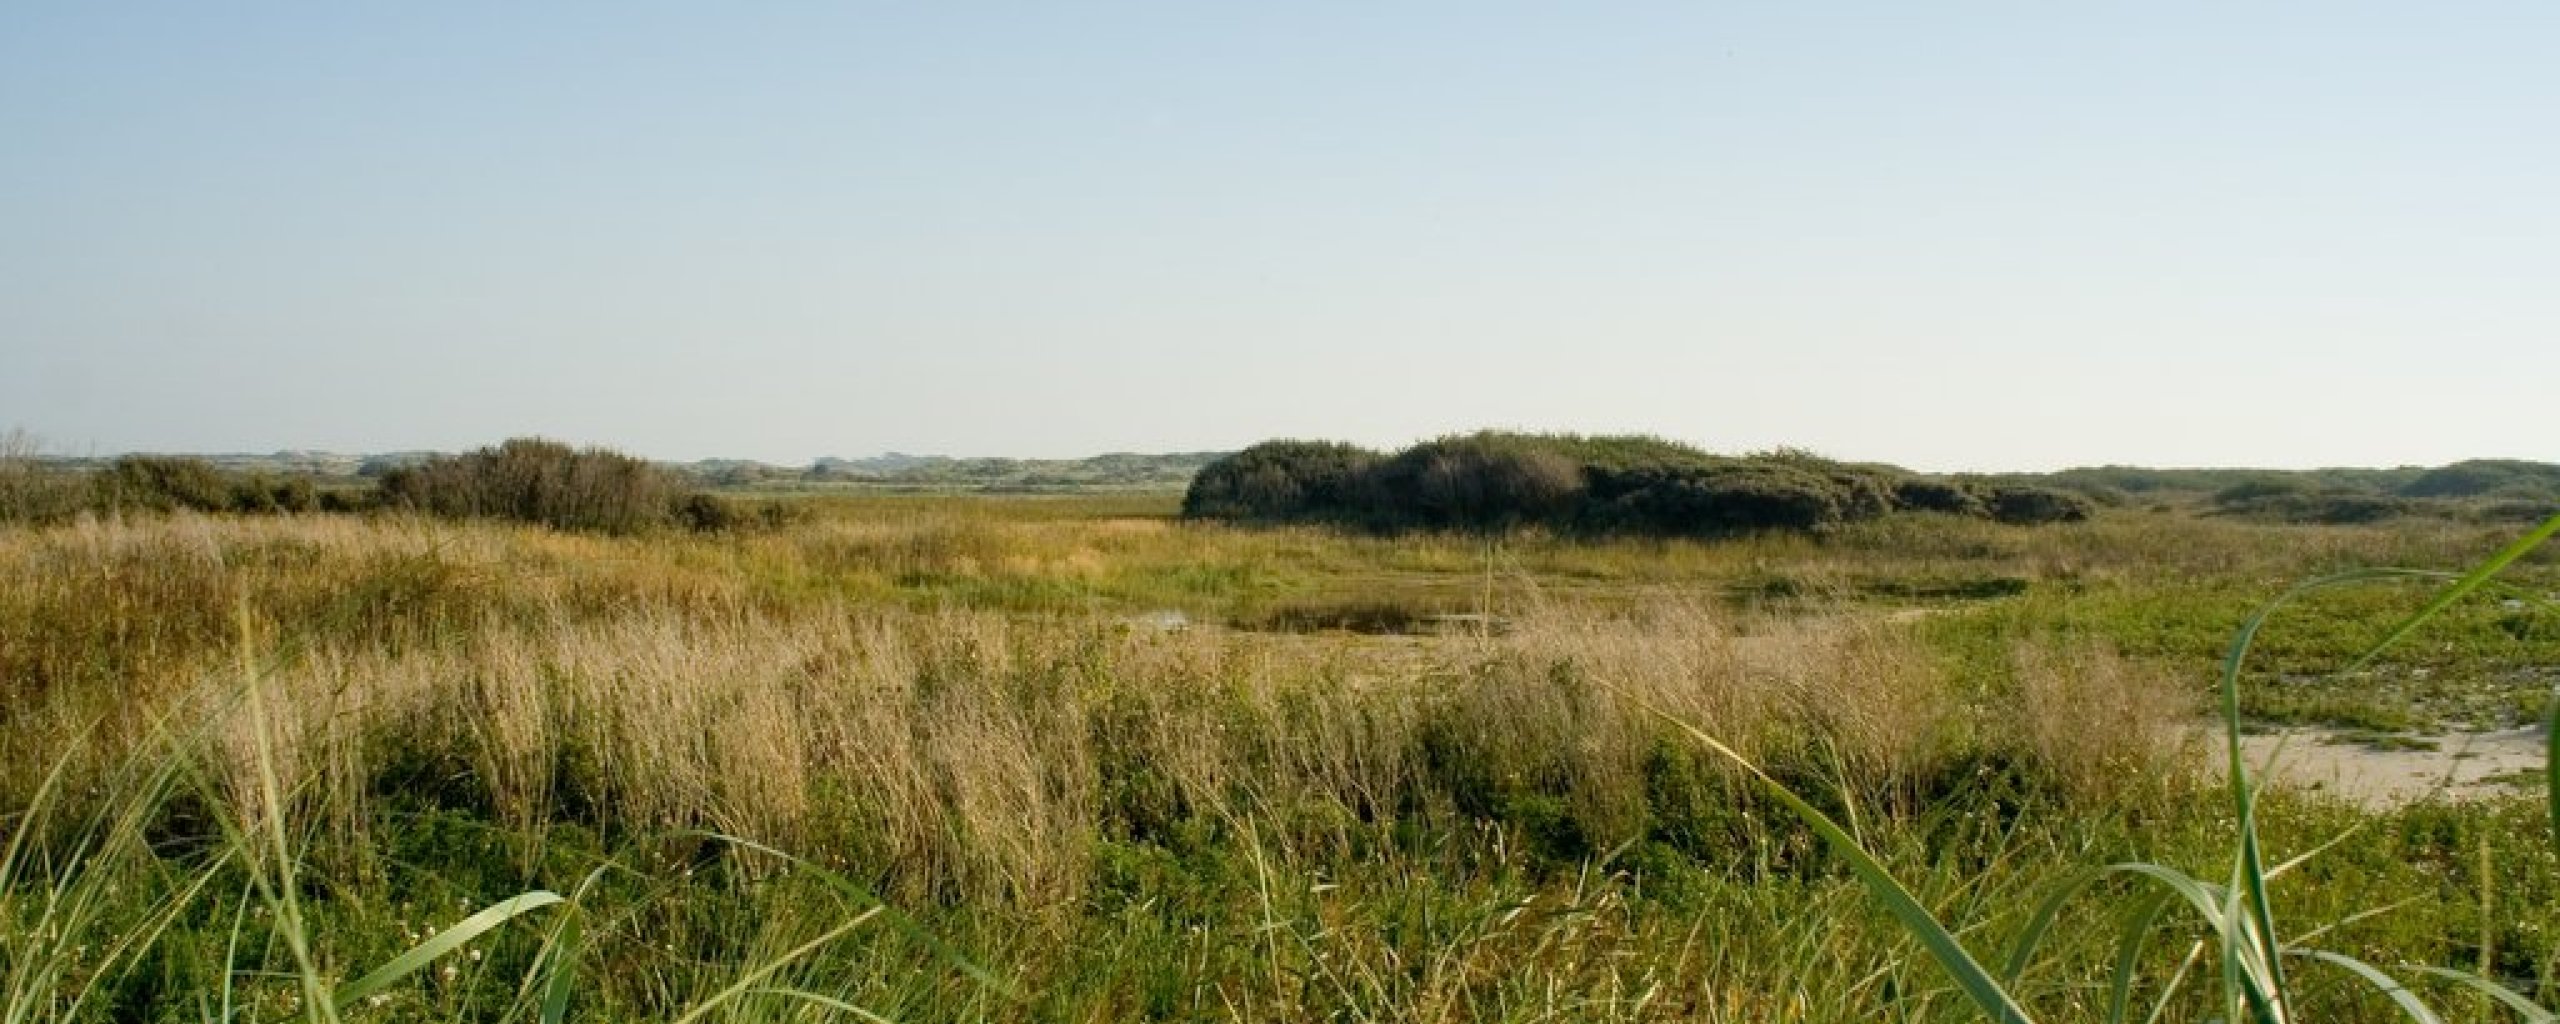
{"x": 2397, "y": 770}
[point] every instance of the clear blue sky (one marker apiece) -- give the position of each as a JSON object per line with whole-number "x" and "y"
{"x": 1947, "y": 235}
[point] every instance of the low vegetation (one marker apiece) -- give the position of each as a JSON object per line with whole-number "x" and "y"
{"x": 523, "y": 480}
{"x": 551, "y": 484}
{"x": 1588, "y": 485}
{"x": 251, "y": 759}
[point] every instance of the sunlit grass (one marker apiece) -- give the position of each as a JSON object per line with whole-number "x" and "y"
{"x": 1083, "y": 811}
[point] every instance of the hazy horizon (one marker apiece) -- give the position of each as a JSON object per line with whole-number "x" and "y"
{"x": 1951, "y": 239}
{"x": 55, "y": 451}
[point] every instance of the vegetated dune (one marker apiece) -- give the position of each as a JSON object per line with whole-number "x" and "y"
{"x": 957, "y": 706}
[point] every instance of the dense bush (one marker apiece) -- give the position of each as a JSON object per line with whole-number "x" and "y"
{"x": 710, "y": 513}
{"x": 157, "y": 483}
{"x": 2501, "y": 478}
{"x": 2336, "y": 508}
{"x": 1928, "y": 494}
{"x": 550, "y": 483}
{"x": 160, "y": 484}
{"x": 2248, "y": 492}
{"x": 1497, "y": 481}
{"x": 1707, "y": 501}
{"x": 32, "y": 491}
{"x": 2517, "y": 510}
{"x": 1480, "y": 481}
{"x": 2019, "y": 505}
{"x": 1282, "y": 481}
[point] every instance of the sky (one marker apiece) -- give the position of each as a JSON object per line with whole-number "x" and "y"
{"x": 1961, "y": 236}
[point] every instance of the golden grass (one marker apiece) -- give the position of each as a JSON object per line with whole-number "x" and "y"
{"x": 819, "y": 686}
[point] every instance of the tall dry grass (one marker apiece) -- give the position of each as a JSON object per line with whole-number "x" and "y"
{"x": 2104, "y": 727}
{"x": 957, "y": 754}
{"x": 861, "y": 691}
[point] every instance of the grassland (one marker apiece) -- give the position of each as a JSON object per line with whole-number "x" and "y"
{"x": 1103, "y": 765}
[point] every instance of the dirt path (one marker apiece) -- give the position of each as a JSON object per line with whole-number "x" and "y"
{"x": 2398, "y": 769}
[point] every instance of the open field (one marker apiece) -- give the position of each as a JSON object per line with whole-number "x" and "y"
{"x": 1106, "y": 765}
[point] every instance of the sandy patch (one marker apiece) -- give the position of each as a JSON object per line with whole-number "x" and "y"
{"x": 2400, "y": 769}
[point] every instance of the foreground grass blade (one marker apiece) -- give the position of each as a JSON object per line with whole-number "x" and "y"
{"x": 762, "y": 971}
{"x": 2389, "y": 986}
{"x": 555, "y": 964}
{"x": 439, "y": 944}
{"x": 2129, "y": 946}
{"x": 827, "y": 1001}
{"x": 282, "y": 893}
{"x": 2260, "y": 974}
{"x": 1976, "y": 981}
{"x": 2505, "y": 996}
{"x": 2463, "y": 587}
{"x": 563, "y": 980}
{"x": 859, "y": 893}
{"x": 2206, "y": 899}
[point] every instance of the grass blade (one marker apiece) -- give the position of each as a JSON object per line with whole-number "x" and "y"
{"x": 2504, "y": 996}
{"x": 439, "y": 944}
{"x": 563, "y": 980}
{"x": 2137, "y": 934}
{"x": 283, "y": 892}
{"x": 555, "y": 965}
{"x": 1976, "y": 981}
{"x": 2206, "y": 899}
{"x": 757, "y": 976}
{"x": 2260, "y": 971}
{"x": 859, "y": 893}
{"x": 2390, "y": 987}
{"x": 830, "y": 1002}
{"x": 2462, "y": 587}
{"x": 2169, "y": 989}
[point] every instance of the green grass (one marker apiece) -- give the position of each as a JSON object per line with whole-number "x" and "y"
{"x": 1012, "y": 802}
{"x": 2237, "y": 919}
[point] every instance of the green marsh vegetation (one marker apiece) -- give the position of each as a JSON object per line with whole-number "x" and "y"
{"x": 950, "y": 759}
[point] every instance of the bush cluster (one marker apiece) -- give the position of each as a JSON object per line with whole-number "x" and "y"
{"x": 552, "y": 484}
{"x": 2487, "y": 478}
{"x": 1495, "y": 481}
{"x": 1280, "y": 481}
{"x": 32, "y": 491}
{"x": 2287, "y": 501}
{"x": 153, "y": 483}
{"x": 525, "y": 480}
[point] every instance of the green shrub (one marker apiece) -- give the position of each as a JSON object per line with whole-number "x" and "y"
{"x": 1928, "y": 494}
{"x": 709, "y": 513}
{"x": 1738, "y": 497}
{"x": 2484, "y": 477}
{"x": 1478, "y": 482}
{"x": 1281, "y": 481}
{"x": 33, "y": 491}
{"x": 259, "y": 493}
{"x": 545, "y": 482}
{"x": 155, "y": 483}
{"x": 2019, "y": 505}
{"x": 1494, "y": 480}
{"x": 2517, "y": 510}
{"x": 2336, "y": 508}
{"x": 2248, "y": 492}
